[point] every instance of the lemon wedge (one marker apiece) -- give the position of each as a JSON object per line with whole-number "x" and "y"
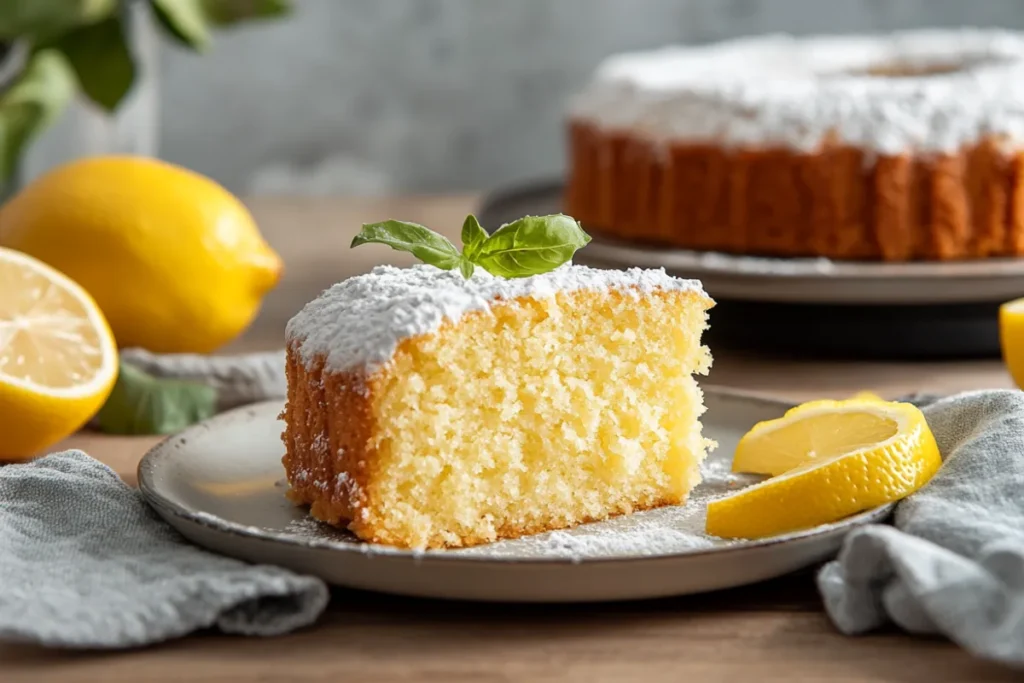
{"x": 827, "y": 460}
{"x": 1011, "y": 338}
{"x": 58, "y": 360}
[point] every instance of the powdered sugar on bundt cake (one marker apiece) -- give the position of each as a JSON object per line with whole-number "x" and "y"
{"x": 933, "y": 90}
{"x": 360, "y": 322}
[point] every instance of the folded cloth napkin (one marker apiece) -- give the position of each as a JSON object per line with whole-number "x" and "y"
{"x": 86, "y": 563}
{"x": 238, "y": 380}
{"x": 953, "y": 562}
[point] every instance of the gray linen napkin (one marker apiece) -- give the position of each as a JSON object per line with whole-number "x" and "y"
{"x": 238, "y": 380}
{"x": 953, "y": 563}
{"x": 86, "y": 563}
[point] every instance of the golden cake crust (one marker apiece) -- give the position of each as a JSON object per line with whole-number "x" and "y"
{"x": 328, "y": 425}
{"x": 781, "y": 202}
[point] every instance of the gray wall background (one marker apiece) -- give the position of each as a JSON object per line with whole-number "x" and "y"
{"x": 376, "y": 96}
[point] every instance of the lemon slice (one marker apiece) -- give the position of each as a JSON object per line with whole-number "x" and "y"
{"x": 58, "y": 360}
{"x": 1011, "y": 338}
{"x": 827, "y": 460}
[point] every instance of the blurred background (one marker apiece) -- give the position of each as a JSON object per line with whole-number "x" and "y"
{"x": 349, "y": 97}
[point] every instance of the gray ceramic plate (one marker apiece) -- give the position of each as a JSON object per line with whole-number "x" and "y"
{"x": 221, "y": 484}
{"x": 783, "y": 280}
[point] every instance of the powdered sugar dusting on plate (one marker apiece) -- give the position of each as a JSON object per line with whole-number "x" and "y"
{"x": 312, "y": 529}
{"x": 360, "y": 321}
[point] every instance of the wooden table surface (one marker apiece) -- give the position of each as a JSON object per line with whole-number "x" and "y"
{"x": 766, "y": 632}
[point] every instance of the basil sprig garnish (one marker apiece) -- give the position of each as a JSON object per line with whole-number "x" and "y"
{"x": 528, "y": 246}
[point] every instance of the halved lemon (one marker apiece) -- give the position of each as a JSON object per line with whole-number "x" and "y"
{"x": 58, "y": 360}
{"x": 1011, "y": 339}
{"x": 827, "y": 460}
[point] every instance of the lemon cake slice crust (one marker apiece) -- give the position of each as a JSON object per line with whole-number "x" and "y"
{"x": 535, "y": 412}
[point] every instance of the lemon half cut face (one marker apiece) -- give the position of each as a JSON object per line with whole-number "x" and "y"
{"x": 58, "y": 360}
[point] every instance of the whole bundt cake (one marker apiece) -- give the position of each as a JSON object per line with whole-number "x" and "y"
{"x": 897, "y": 147}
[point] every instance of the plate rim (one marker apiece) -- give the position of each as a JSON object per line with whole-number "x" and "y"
{"x": 162, "y": 504}
{"x": 750, "y": 267}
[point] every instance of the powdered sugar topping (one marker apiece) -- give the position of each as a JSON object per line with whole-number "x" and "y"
{"x": 956, "y": 87}
{"x": 360, "y": 321}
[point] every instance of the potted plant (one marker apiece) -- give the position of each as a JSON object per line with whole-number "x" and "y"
{"x": 54, "y": 50}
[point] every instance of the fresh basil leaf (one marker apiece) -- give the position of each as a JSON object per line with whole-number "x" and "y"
{"x": 102, "y": 60}
{"x": 31, "y": 104}
{"x": 473, "y": 236}
{"x": 467, "y": 268}
{"x": 143, "y": 404}
{"x": 226, "y": 12}
{"x": 185, "y": 20}
{"x": 43, "y": 19}
{"x": 421, "y": 242}
{"x": 531, "y": 246}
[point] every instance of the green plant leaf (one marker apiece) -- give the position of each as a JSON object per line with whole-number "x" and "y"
{"x": 473, "y": 236}
{"x": 531, "y": 246}
{"x": 185, "y": 20}
{"x": 43, "y": 19}
{"x": 421, "y": 242}
{"x": 143, "y": 404}
{"x": 100, "y": 56}
{"x": 467, "y": 268}
{"x": 227, "y": 12}
{"x": 17, "y": 127}
{"x": 31, "y": 104}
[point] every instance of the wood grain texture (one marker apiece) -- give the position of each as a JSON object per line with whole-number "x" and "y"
{"x": 763, "y": 633}
{"x": 773, "y": 631}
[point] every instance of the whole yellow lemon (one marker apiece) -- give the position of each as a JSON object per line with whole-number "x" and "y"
{"x": 174, "y": 261}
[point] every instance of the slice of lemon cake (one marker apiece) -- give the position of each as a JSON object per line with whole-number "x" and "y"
{"x": 428, "y": 410}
